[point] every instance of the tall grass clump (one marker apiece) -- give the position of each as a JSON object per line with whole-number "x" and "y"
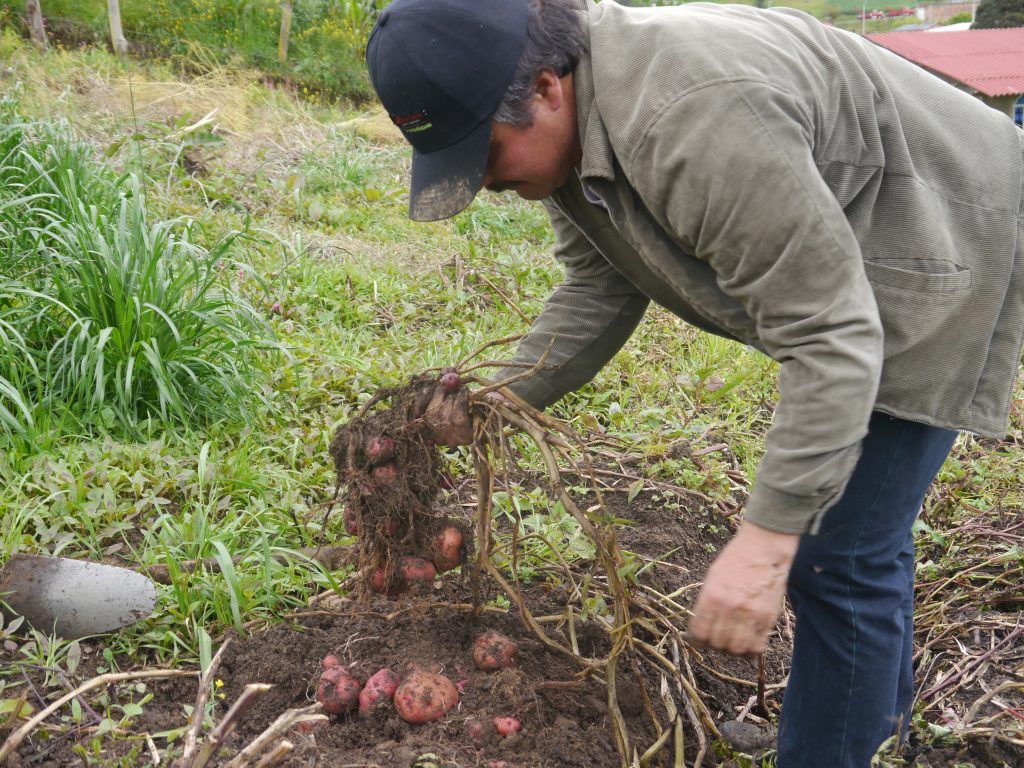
{"x": 110, "y": 320}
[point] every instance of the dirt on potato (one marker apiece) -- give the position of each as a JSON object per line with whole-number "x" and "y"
{"x": 389, "y": 473}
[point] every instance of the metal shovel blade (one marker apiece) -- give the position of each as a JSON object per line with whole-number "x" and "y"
{"x": 74, "y": 597}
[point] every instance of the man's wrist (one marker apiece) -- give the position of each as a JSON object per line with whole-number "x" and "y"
{"x": 776, "y": 542}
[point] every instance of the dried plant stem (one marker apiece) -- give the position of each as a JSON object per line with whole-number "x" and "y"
{"x": 187, "y": 759}
{"x": 564, "y": 455}
{"x": 276, "y": 755}
{"x": 12, "y": 741}
{"x": 281, "y": 725}
{"x": 229, "y": 722}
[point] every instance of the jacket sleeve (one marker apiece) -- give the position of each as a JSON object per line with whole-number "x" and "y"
{"x": 729, "y": 171}
{"x": 585, "y": 321}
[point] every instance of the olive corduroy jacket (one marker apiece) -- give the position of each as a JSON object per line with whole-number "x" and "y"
{"x": 795, "y": 187}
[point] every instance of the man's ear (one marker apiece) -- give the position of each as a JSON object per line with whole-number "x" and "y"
{"x": 548, "y": 88}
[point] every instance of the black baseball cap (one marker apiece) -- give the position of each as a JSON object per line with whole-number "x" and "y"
{"x": 440, "y": 68}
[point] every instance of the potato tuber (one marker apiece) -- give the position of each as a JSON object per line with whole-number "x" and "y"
{"x": 416, "y": 570}
{"x": 507, "y": 725}
{"x": 385, "y": 474}
{"x": 450, "y": 381}
{"x": 450, "y": 552}
{"x": 379, "y": 688}
{"x": 379, "y": 583}
{"x": 330, "y": 660}
{"x": 380, "y": 449}
{"x": 477, "y": 732}
{"x": 492, "y": 651}
{"x": 338, "y": 691}
{"x": 422, "y": 697}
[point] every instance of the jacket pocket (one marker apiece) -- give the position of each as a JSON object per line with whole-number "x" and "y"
{"x": 931, "y": 276}
{"x": 918, "y": 302}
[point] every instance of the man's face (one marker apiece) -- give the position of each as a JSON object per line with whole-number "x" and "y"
{"x": 536, "y": 160}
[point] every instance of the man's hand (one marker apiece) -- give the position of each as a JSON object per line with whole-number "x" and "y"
{"x": 742, "y": 593}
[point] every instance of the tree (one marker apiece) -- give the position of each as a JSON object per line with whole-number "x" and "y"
{"x": 286, "y": 28}
{"x": 993, "y": 14}
{"x": 34, "y": 16}
{"x": 117, "y": 41}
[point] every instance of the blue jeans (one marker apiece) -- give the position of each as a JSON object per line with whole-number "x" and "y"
{"x": 851, "y": 685}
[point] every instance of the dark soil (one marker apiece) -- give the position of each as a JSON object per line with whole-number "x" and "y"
{"x": 565, "y": 720}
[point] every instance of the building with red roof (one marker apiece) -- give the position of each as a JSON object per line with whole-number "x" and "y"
{"x": 988, "y": 63}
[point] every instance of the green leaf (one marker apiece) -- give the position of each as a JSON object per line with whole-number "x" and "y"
{"x": 11, "y": 709}
{"x": 634, "y": 490}
{"x": 74, "y": 657}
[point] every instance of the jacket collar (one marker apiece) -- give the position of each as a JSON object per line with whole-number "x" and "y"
{"x": 598, "y": 159}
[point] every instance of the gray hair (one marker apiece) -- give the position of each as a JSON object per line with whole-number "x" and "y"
{"x": 554, "y": 41}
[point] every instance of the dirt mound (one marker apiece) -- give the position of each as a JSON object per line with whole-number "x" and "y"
{"x": 564, "y": 716}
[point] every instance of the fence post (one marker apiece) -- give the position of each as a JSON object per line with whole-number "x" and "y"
{"x": 117, "y": 40}
{"x": 286, "y": 28}
{"x": 36, "y": 31}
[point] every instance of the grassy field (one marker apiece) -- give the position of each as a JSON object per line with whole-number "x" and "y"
{"x": 325, "y": 58}
{"x": 286, "y": 221}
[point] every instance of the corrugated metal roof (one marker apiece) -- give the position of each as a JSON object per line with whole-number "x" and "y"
{"x": 989, "y": 60}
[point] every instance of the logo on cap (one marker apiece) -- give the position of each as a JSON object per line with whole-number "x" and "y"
{"x": 414, "y": 122}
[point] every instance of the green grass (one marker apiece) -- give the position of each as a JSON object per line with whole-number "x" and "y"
{"x": 325, "y": 52}
{"x": 111, "y": 320}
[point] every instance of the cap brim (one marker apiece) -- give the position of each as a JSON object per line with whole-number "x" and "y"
{"x": 446, "y": 181}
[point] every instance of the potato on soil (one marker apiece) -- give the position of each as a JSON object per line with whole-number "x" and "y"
{"x": 330, "y": 660}
{"x": 422, "y": 697}
{"x": 379, "y": 583}
{"x": 379, "y": 688}
{"x": 478, "y": 732}
{"x": 338, "y": 691}
{"x": 507, "y": 725}
{"x": 493, "y": 651}
{"x": 450, "y": 552}
{"x": 416, "y": 570}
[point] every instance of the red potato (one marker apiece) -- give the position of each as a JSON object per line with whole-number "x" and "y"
{"x": 391, "y": 526}
{"x": 422, "y": 697}
{"x": 380, "y": 449}
{"x": 380, "y": 688}
{"x": 476, "y": 731}
{"x": 351, "y": 521}
{"x": 416, "y": 570}
{"x": 386, "y": 474}
{"x": 493, "y": 651}
{"x": 450, "y": 552}
{"x": 380, "y": 585}
{"x": 507, "y": 725}
{"x": 330, "y": 660}
{"x": 450, "y": 381}
{"x": 338, "y": 691}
